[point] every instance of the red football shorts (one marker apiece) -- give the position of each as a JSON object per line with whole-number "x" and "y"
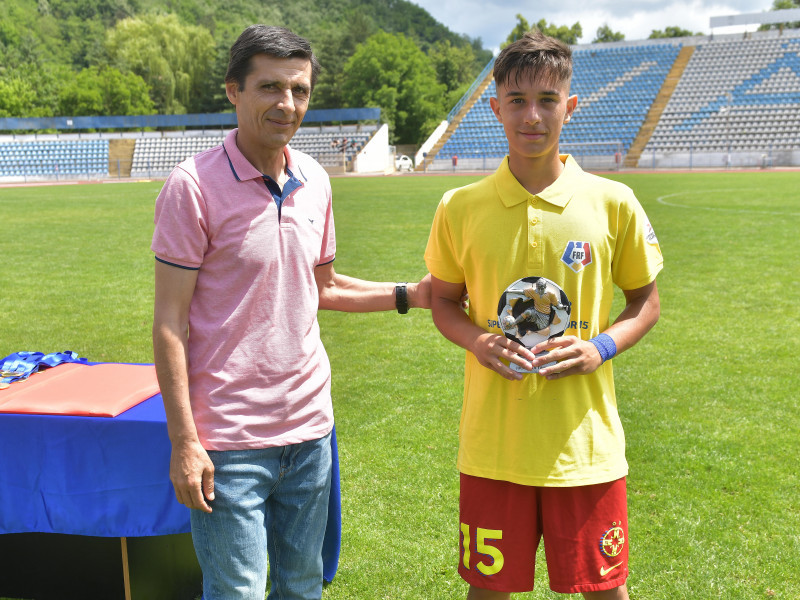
{"x": 585, "y": 532}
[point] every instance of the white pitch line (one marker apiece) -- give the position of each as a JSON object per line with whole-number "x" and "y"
{"x": 661, "y": 200}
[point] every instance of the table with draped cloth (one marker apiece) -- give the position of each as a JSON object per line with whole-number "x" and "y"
{"x": 88, "y": 498}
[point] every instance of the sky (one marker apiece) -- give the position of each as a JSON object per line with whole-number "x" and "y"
{"x": 493, "y": 20}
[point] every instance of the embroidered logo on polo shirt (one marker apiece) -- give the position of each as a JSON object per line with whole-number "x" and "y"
{"x": 650, "y": 234}
{"x": 577, "y": 255}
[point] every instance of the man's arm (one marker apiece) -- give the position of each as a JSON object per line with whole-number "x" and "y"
{"x": 455, "y": 325}
{"x": 577, "y": 356}
{"x": 347, "y": 294}
{"x": 191, "y": 470}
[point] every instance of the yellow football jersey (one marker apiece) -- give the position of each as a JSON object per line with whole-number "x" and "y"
{"x": 586, "y": 234}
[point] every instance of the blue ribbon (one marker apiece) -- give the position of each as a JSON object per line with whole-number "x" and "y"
{"x": 21, "y": 365}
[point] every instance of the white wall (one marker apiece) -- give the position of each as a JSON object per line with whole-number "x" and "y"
{"x": 375, "y": 157}
{"x": 430, "y": 142}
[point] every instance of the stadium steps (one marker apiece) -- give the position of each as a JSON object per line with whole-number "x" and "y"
{"x": 451, "y": 128}
{"x": 659, "y": 104}
{"x": 120, "y": 157}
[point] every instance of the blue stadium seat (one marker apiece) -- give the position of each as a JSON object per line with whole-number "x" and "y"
{"x": 722, "y": 103}
{"x": 54, "y": 158}
{"x": 615, "y": 88}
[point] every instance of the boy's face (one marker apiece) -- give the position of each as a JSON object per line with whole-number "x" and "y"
{"x": 532, "y": 112}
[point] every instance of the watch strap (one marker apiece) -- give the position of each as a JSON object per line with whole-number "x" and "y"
{"x": 401, "y": 297}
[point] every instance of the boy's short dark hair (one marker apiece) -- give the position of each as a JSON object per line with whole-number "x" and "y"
{"x": 273, "y": 41}
{"x": 534, "y": 55}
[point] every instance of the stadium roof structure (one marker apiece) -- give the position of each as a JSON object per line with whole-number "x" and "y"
{"x": 773, "y": 17}
{"x": 203, "y": 120}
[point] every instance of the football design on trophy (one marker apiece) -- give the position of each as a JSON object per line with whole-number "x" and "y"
{"x": 531, "y": 310}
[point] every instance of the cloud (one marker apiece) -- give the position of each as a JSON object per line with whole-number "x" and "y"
{"x": 492, "y": 20}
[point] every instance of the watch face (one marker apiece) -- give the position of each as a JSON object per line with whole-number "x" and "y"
{"x": 531, "y": 310}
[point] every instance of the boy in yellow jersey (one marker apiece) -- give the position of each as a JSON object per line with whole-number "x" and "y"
{"x": 541, "y": 450}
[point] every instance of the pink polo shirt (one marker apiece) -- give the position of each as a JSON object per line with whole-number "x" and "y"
{"x": 258, "y": 373}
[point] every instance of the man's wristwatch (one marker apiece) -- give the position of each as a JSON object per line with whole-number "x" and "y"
{"x": 401, "y": 297}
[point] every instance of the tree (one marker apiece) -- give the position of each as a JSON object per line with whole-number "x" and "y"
{"x": 28, "y": 36}
{"x": 455, "y": 68}
{"x": 17, "y": 97}
{"x": 180, "y": 47}
{"x": 402, "y": 16}
{"x": 213, "y": 98}
{"x": 568, "y": 35}
{"x": 391, "y": 72}
{"x": 105, "y": 91}
{"x": 106, "y": 11}
{"x": 605, "y": 34}
{"x": 673, "y": 31}
{"x": 171, "y": 57}
{"x": 521, "y": 28}
{"x": 83, "y": 40}
{"x": 335, "y": 45}
{"x": 482, "y": 55}
{"x": 31, "y": 91}
{"x": 453, "y": 64}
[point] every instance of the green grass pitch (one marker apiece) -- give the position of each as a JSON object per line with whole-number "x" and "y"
{"x": 709, "y": 398}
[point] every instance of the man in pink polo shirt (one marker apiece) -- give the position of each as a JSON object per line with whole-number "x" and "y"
{"x": 244, "y": 245}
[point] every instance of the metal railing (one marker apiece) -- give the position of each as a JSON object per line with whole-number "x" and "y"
{"x": 478, "y": 80}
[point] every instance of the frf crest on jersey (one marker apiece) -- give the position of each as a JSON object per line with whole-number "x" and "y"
{"x": 577, "y": 255}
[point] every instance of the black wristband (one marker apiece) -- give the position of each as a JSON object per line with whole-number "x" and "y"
{"x": 401, "y": 298}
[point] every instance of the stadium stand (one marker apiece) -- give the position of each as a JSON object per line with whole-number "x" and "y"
{"x": 702, "y": 101}
{"x": 156, "y": 156}
{"x": 331, "y": 145}
{"x": 151, "y": 145}
{"x": 54, "y": 158}
{"x": 615, "y": 86}
{"x": 738, "y": 95}
{"x": 705, "y": 101}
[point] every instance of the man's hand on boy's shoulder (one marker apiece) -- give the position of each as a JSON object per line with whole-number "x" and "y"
{"x": 574, "y": 356}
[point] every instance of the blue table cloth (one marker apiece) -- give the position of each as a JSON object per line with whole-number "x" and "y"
{"x": 106, "y": 477}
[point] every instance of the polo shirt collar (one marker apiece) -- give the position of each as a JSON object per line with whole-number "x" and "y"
{"x": 243, "y": 170}
{"x": 557, "y": 193}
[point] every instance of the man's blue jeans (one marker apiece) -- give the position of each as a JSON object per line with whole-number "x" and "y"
{"x": 270, "y": 505}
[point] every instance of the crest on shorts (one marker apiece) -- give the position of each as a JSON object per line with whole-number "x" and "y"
{"x": 613, "y": 541}
{"x": 577, "y": 255}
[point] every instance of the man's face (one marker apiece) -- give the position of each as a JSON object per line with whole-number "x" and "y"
{"x": 532, "y": 113}
{"x": 274, "y": 100}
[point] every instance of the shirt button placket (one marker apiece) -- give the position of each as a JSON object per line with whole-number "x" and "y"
{"x": 535, "y": 255}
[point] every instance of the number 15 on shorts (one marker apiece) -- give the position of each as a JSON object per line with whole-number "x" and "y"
{"x": 489, "y": 559}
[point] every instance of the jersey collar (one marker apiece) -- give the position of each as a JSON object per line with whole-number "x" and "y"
{"x": 559, "y": 193}
{"x": 243, "y": 170}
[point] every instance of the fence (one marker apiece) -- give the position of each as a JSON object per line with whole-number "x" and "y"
{"x": 735, "y": 159}
{"x": 599, "y": 156}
